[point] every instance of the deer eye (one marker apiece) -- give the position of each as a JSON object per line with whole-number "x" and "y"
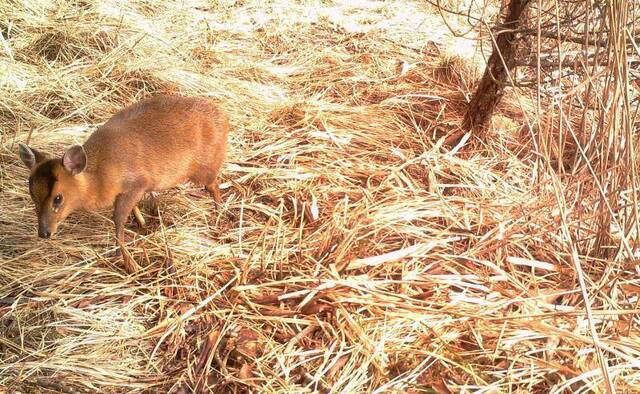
{"x": 57, "y": 200}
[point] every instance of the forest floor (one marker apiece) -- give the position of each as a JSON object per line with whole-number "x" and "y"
{"x": 353, "y": 251}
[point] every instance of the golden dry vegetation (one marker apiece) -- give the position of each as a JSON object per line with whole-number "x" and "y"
{"x": 354, "y": 251}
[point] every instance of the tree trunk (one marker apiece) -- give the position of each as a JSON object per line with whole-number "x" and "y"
{"x": 491, "y": 87}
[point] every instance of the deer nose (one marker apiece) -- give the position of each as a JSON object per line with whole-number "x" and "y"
{"x": 44, "y": 234}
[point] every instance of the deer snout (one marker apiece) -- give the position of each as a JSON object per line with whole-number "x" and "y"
{"x": 44, "y": 229}
{"x": 43, "y": 233}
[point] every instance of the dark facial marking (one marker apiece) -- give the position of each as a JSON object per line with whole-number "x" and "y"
{"x": 44, "y": 173}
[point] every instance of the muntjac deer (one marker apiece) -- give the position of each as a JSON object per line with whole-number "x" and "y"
{"x": 152, "y": 145}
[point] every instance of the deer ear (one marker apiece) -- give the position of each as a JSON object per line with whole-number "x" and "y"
{"x": 75, "y": 159}
{"x": 29, "y": 156}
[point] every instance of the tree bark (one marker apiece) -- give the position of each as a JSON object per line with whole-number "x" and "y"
{"x": 491, "y": 87}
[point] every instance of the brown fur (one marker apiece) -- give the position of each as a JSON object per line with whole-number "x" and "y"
{"x": 152, "y": 145}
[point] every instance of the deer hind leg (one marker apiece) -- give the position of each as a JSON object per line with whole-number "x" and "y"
{"x": 209, "y": 178}
{"x": 214, "y": 189}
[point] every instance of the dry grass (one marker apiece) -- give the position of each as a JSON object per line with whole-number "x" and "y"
{"x": 352, "y": 253}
